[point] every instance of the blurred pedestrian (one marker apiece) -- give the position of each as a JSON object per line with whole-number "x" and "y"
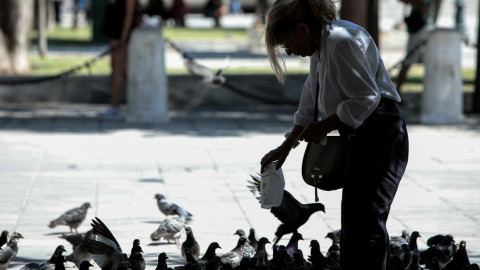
{"x": 156, "y": 8}
{"x": 121, "y": 17}
{"x": 355, "y": 95}
{"x": 236, "y": 7}
{"x": 178, "y": 11}
{"x": 417, "y": 29}
{"x": 215, "y": 9}
{"x": 79, "y": 6}
{"x": 57, "y": 7}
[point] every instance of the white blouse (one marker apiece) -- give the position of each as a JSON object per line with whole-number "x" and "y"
{"x": 351, "y": 76}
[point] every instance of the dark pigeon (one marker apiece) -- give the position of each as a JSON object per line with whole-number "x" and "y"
{"x": 59, "y": 263}
{"x": 460, "y": 260}
{"x": 85, "y": 265}
{"x": 412, "y": 244}
{"x": 137, "y": 259}
{"x": 191, "y": 243}
{"x": 209, "y": 255}
{"x": 72, "y": 218}
{"x": 49, "y": 264}
{"x": 135, "y": 248}
{"x": 292, "y": 245}
{"x": 291, "y": 212}
{"x": 260, "y": 258}
{"x": 441, "y": 247}
{"x": 162, "y": 261}
{"x": 414, "y": 263}
{"x": 252, "y": 238}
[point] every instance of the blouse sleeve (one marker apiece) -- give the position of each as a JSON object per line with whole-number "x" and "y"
{"x": 355, "y": 71}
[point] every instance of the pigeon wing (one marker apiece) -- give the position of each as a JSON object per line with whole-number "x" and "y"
{"x": 288, "y": 210}
{"x": 100, "y": 229}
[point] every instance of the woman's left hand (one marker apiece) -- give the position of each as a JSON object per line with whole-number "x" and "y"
{"x": 314, "y": 132}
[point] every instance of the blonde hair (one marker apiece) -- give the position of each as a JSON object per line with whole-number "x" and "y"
{"x": 281, "y": 20}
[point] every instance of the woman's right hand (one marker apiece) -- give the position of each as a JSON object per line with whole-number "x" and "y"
{"x": 278, "y": 154}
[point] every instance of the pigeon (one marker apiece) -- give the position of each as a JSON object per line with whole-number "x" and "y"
{"x": 441, "y": 247}
{"x": 252, "y": 238}
{"x": 414, "y": 263}
{"x": 138, "y": 258}
{"x": 9, "y": 252}
{"x": 261, "y": 256}
{"x": 412, "y": 244}
{"x": 280, "y": 259}
{"x": 209, "y": 254}
{"x": 190, "y": 243}
{"x": 460, "y": 260}
{"x": 334, "y": 236}
{"x": 248, "y": 250}
{"x": 59, "y": 260}
{"x": 396, "y": 242}
{"x": 85, "y": 265}
{"x": 162, "y": 261}
{"x": 235, "y": 255}
{"x": 80, "y": 252}
{"x": 169, "y": 208}
{"x": 299, "y": 261}
{"x": 316, "y": 257}
{"x": 3, "y": 238}
{"x": 189, "y": 258}
{"x": 290, "y": 212}
{"x": 103, "y": 246}
{"x": 170, "y": 229}
{"x": 292, "y": 245}
{"x": 49, "y": 264}
{"x": 135, "y": 248}
{"x": 72, "y": 218}
{"x": 333, "y": 256}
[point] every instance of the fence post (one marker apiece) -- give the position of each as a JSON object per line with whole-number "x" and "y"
{"x": 147, "y": 92}
{"x": 442, "y": 97}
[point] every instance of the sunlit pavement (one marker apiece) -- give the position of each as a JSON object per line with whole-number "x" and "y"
{"x": 57, "y": 156}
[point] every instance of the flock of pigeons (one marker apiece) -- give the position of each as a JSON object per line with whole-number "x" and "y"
{"x": 99, "y": 246}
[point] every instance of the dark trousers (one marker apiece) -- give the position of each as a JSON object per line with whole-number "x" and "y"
{"x": 379, "y": 161}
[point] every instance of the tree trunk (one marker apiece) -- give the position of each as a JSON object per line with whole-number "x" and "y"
{"x": 363, "y": 13}
{"x": 15, "y": 25}
{"x": 476, "y": 94}
{"x": 42, "y": 27}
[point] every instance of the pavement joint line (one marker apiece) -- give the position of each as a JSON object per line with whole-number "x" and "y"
{"x": 33, "y": 179}
{"x": 446, "y": 201}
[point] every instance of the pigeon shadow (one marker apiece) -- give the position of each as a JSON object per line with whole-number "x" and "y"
{"x": 153, "y": 221}
{"x": 151, "y": 180}
{"x": 56, "y": 233}
{"x": 154, "y": 244}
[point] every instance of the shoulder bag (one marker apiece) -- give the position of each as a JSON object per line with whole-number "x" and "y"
{"x": 325, "y": 165}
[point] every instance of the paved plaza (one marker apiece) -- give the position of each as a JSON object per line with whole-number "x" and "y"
{"x": 57, "y": 156}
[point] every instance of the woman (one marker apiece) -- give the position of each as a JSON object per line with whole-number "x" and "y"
{"x": 120, "y": 19}
{"x": 357, "y": 96}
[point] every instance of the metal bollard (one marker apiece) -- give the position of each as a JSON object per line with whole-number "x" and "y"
{"x": 442, "y": 97}
{"x": 147, "y": 83}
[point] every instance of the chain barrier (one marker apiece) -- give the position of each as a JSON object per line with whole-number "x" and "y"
{"x": 185, "y": 55}
{"x": 69, "y": 72}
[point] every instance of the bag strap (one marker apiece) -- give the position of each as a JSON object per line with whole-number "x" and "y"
{"x": 315, "y": 113}
{"x": 315, "y": 119}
